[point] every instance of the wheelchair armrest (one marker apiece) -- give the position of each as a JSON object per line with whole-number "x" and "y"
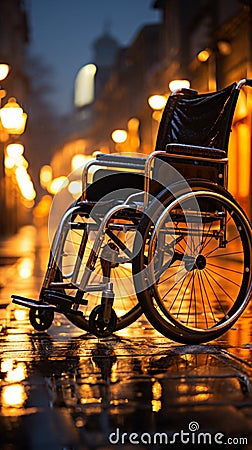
{"x": 121, "y": 160}
{"x": 182, "y": 151}
{"x": 195, "y": 151}
{"x": 108, "y": 162}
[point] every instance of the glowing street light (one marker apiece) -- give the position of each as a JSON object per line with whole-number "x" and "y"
{"x": 75, "y": 188}
{"x": 179, "y": 84}
{"x": 14, "y": 150}
{"x": 45, "y": 176}
{"x": 57, "y": 184}
{"x": 12, "y": 123}
{"x": 204, "y": 55}
{"x": 25, "y": 183}
{"x": 157, "y": 102}
{"x": 119, "y": 136}
{"x": 4, "y": 70}
{"x": 13, "y": 117}
{"x": 14, "y": 156}
{"x": 78, "y": 161}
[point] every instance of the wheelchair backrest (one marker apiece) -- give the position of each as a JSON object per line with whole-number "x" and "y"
{"x": 198, "y": 119}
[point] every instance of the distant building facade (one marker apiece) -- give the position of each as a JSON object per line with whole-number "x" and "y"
{"x": 14, "y": 40}
{"x": 90, "y": 80}
{"x": 209, "y": 43}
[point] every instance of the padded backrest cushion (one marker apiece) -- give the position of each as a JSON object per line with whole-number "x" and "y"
{"x": 198, "y": 119}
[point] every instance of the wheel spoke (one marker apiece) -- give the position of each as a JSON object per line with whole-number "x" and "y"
{"x": 225, "y": 254}
{"x": 191, "y": 298}
{"x": 225, "y": 268}
{"x": 222, "y": 276}
{"x": 183, "y": 296}
{"x": 176, "y": 296}
{"x": 217, "y": 248}
{"x": 216, "y": 298}
{"x": 157, "y": 276}
{"x": 205, "y": 242}
{"x": 202, "y": 295}
{"x": 206, "y": 272}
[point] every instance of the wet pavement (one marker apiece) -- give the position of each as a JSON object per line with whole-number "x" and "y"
{"x": 67, "y": 390}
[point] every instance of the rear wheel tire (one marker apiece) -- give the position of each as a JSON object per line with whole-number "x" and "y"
{"x": 195, "y": 285}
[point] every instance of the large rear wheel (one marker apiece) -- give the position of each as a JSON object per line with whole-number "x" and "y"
{"x": 193, "y": 273}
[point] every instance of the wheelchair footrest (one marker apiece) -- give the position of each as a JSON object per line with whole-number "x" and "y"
{"x": 74, "y": 313}
{"x": 60, "y": 300}
{"x": 30, "y": 303}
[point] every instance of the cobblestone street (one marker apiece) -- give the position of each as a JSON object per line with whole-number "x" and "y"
{"x": 65, "y": 389}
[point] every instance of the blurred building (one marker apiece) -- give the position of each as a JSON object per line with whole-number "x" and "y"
{"x": 209, "y": 43}
{"x": 111, "y": 97}
{"x": 90, "y": 81}
{"x": 205, "y": 42}
{"x": 88, "y": 87}
{"x": 14, "y": 40}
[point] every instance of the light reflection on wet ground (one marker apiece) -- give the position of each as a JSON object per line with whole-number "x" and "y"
{"x": 67, "y": 390}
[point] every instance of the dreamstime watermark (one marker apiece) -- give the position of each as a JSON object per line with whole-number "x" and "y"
{"x": 192, "y": 436}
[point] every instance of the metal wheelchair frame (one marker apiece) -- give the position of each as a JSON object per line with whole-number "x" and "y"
{"x": 139, "y": 208}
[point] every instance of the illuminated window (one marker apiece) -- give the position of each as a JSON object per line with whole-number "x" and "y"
{"x": 239, "y": 172}
{"x": 244, "y": 159}
{"x": 85, "y": 86}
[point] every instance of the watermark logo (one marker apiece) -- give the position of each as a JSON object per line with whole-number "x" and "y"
{"x": 193, "y": 426}
{"x": 191, "y": 436}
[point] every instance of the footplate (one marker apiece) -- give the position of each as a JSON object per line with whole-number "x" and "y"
{"x": 38, "y": 304}
{"x": 60, "y": 299}
{"x": 30, "y": 303}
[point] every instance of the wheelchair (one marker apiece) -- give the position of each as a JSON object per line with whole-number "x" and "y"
{"x": 158, "y": 235}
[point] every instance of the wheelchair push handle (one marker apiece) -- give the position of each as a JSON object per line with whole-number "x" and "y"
{"x": 249, "y": 82}
{"x": 244, "y": 82}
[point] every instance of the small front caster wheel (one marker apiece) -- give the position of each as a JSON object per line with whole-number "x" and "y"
{"x": 41, "y": 319}
{"x": 97, "y": 324}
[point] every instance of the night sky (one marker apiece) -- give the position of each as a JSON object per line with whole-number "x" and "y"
{"x": 62, "y": 33}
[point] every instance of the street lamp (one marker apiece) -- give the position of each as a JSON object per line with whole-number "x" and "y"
{"x": 45, "y": 176}
{"x": 179, "y": 84}
{"x": 157, "y": 103}
{"x": 78, "y": 161}
{"x": 209, "y": 56}
{"x": 14, "y": 157}
{"x": 4, "y": 70}
{"x": 15, "y": 150}
{"x": 119, "y": 136}
{"x": 13, "y": 117}
{"x": 13, "y": 121}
